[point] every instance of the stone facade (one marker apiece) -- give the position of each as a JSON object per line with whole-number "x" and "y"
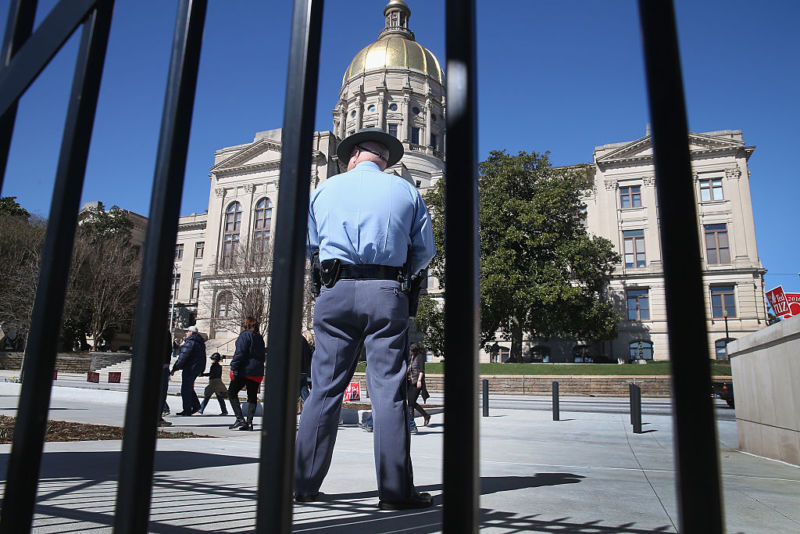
{"x": 623, "y": 207}
{"x": 397, "y": 84}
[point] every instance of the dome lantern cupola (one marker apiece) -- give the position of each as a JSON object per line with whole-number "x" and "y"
{"x": 397, "y": 14}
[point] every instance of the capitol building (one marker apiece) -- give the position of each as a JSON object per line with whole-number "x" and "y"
{"x": 398, "y": 85}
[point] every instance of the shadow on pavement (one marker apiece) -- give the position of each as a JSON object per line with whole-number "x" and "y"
{"x": 104, "y": 465}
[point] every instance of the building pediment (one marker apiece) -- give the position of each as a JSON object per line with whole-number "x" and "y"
{"x": 259, "y": 156}
{"x": 641, "y": 150}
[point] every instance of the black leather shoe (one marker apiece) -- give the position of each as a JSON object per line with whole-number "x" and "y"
{"x": 422, "y": 500}
{"x": 311, "y": 497}
{"x": 183, "y": 414}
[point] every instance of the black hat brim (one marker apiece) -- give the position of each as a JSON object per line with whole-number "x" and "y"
{"x": 377, "y": 135}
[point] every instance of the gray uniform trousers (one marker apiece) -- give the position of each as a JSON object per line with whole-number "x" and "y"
{"x": 375, "y": 313}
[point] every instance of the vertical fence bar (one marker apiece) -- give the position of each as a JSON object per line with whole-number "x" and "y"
{"x": 134, "y": 490}
{"x": 699, "y": 497}
{"x": 40, "y": 354}
{"x": 462, "y": 303}
{"x": 276, "y": 468}
{"x": 18, "y": 28}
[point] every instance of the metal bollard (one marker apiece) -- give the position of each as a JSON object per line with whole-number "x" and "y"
{"x": 630, "y": 398}
{"x": 485, "y": 397}
{"x": 636, "y": 413}
{"x": 556, "y": 415}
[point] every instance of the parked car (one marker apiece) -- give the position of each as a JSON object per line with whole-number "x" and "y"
{"x": 723, "y": 389}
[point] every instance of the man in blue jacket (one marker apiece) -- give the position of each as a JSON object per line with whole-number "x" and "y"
{"x": 367, "y": 225}
{"x": 192, "y": 361}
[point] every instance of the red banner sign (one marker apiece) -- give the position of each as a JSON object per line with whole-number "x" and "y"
{"x": 794, "y": 302}
{"x": 784, "y": 304}
{"x": 352, "y": 392}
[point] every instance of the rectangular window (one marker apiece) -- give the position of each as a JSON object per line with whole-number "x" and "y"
{"x": 723, "y": 301}
{"x": 414, "y": 136}
{"x": 179, "y": 251}
{"x": 433, "y": 142}
{"x": 199, "y": 249}
{"x": 638, "y": 304}
{"x": 630, "y": 196}
{"x": 393, "y": 130}
{"x": 176, "y": 284}
{"x": 710, "y": 189}
{"x": 195, "y": 286}
{"x": 634, "y": 248}
{"x": 717, "y": 248}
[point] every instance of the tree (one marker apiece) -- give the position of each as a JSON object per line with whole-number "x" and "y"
{"x": 430, "y": 321}
{"x": 104, "y": 276}
{"x": 244, "y": 286}
{"x": 21, "y": 242}
{"x": 10, "y": 206}
{"x": 541, "y": 274}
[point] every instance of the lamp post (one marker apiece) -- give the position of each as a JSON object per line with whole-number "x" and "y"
{"x": 172, "y": 302}
{"x": 727, "y": 337}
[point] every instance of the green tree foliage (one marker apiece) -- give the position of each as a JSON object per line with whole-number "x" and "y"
{"x": 541, "y": 274}
{"x": 430, "y": 321}
{"x": 10, "y": 206}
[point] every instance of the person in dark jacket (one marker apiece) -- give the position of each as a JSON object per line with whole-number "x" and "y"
{"x": 215, "y": 385}
{"x": 165, "y": 383}
{"x": 193, "y": 362}
{"x": 247, "y": 371}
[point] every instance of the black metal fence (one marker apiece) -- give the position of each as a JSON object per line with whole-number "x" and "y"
{"x": 25, "y": 54}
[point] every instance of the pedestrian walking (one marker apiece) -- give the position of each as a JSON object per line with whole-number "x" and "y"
{"x": 368, "y": 228}
{"x": 416, "y": 385}
{"x": 192, "y": 361}
{"x": 247, "y": 371}
{"x": 215, "y": 385}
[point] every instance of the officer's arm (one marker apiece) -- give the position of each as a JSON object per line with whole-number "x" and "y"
{"x": 422, "y": 246}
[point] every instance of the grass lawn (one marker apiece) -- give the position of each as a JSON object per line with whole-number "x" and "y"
{"x": 718, "y": 368}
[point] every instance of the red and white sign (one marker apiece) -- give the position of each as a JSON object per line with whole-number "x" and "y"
{"x": 794, "y": 303}
{"x": 352, "y": 392}
{"x": 784, "y": 304}
{"x": 777, "y": 299}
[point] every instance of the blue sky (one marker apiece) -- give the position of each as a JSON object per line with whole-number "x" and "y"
{"x": 557, "y": 75}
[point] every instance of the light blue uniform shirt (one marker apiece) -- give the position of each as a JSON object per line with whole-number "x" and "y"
{"x": 366, "y": 216}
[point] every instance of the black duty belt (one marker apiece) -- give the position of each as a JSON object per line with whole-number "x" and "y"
{"x": 370, "y": 272}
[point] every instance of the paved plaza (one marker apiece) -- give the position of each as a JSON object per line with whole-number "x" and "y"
{"x": 587, "y": 473}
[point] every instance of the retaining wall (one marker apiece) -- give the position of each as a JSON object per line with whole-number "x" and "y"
{"x": 601, "y": 386}
{"x": 67, "y": 363}
{"x": 766, "y": 386}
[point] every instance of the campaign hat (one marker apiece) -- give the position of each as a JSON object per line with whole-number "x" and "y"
{"x": 377, "y": 135}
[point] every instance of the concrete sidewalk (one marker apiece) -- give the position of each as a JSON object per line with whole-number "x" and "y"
{"x": 584, "y": 474}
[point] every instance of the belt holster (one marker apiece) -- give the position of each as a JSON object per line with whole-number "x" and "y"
{"x": 330, "y": 271}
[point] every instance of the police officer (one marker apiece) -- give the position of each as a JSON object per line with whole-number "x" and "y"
{"x": 364, "y": 223}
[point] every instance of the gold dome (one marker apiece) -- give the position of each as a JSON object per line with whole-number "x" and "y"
{"x": 395, "y": 52}
{"x": 396, "y": 48}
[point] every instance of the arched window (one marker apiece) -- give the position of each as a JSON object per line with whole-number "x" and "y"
{"x": 232, "y": 227}
{"x": 721, "y": 348}
{"x": 641, "y": 350}
{"x": 262, "y": 228}
{"x": 224, "y": 305}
